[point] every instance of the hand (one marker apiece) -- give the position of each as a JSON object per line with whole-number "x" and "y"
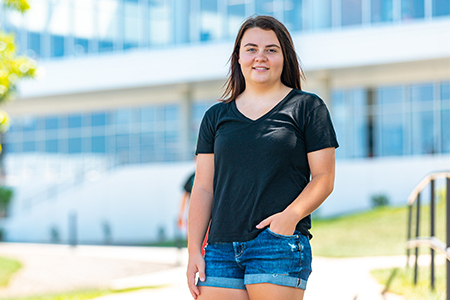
{"x": 196, "y": 264}
{"x": 283, "y": 223}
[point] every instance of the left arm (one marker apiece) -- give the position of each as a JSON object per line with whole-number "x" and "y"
{"x": 321, "y": 164}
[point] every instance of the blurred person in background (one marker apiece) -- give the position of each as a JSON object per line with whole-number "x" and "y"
{"x": 256, "y": 152}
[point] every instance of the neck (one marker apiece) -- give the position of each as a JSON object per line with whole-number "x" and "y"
{"x": 265, "y": 90}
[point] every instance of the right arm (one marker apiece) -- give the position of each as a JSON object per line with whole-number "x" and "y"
{"x": 198, "y": 220}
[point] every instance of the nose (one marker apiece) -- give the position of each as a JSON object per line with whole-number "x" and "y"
{"x": 261, "y": 56}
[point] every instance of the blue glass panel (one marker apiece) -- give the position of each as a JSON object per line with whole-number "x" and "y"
{"x": 81, "y": 46}
{"x": 339, "y": 116}
{"x": 57, "y": 45}
{"x": 147, "y": 138}
{"x": 74, "y": 145}
{"x": 293, "y": 17}
{"x": 392, "y": 134}
{"x": 147, "y": 114}
{"x": 123, "y": 141}
{"x": 75, "y": 121}
{"x": 98, "y": 119}
{"x": 421, "y": 93}
{"x": 321, "y": 14}
{"x": 51, "y": 123}
{"x": 445, "y": 130}
{"x": 34, "y": 44}
{"x": 390, "y": 95}
{"x": 445, "y": 91}
{"x": 171, "y": 113}
{"x": 105, "y": 46}
{"x": 422, "y": 132}
{"x": 413, "y": 9}
{"x": 29, "y": 146}
{"x": 351, "y": 12}
{"x": 123, "y": 116}
{"x": 441, "y": 8}
{"x": 265, "y": 7}
{"x": 382, "y": 11}
{"x": 51, "y": 146}
{"x": 98, "y": 144}
{"x": 29, "y": 125}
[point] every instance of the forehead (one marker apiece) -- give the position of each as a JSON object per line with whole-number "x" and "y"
{"x": 259, "y": 37}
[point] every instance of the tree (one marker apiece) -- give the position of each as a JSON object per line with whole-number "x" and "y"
{"x": 13, "y": 68}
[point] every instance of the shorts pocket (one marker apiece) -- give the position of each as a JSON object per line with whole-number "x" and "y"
{"x": 295, "y": 235}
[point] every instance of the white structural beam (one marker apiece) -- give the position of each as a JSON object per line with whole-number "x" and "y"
{"x": 203, "y": 62}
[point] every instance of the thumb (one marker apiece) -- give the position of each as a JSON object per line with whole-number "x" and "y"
{"x": 264, "y": 222}
{"x": 201, "y": 274}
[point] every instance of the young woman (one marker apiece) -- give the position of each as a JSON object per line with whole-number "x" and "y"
{"x": 256, "y": 153}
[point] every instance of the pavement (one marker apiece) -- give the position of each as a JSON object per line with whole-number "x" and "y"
{"x": 164, "y": 269}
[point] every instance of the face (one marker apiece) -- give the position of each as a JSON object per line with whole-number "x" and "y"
{"x": 261, "y": 57}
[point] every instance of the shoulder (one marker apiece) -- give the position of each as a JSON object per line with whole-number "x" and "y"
{"x": 217, "y": 110}
{"x": 306, "y": 101}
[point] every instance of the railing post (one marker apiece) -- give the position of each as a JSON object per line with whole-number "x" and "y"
{"x": 432, "y": 233}
{"x": 416, "y": 269}
{"x": 448, "y": 235}
{"x": 410, "y": 209}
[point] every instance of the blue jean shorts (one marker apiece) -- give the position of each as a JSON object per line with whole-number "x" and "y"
{"x": 269, "y": 258}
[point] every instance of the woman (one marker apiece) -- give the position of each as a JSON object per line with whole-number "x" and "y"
{"x": 257, "y": 150}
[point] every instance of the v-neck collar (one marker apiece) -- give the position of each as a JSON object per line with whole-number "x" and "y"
{"x": 244, "y": 117}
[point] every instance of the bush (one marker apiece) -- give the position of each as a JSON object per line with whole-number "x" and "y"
{"x": 6, "y": 194}
{"x": 379, "y": 200}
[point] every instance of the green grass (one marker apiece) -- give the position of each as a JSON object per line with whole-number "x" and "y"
{"x": 381, "y": 231}
{"x": 8, "y": 267}
{"x": 78, "y": 295}
{"x": 402, "y": 282}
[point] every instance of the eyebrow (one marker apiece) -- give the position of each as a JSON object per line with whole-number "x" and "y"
{"x": 267, "y": 46}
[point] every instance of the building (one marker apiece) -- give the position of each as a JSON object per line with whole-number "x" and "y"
{"x": 106, "y": 135}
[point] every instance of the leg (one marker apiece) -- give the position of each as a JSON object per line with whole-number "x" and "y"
{"x": 268, "y": 291}
{"x": 216, "y": 293}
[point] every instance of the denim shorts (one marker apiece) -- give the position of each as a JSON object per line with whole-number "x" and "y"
{"x": 269, "y": 258}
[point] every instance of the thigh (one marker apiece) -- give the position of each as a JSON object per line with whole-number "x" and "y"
{"x": 217, "y": 293}
{"x": 268, "y": 291}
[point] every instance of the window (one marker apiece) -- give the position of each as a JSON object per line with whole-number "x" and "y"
{"x": 83, "y": 14}
{"x": 382, "y": 11}
{"x": 265, "y": 7}
{"x": 236, "y": 13}
{"x": 210, "y": 21}
{"x": 293, "y": 18}
{"x": 321, "y": 14}
{"x": 413, "y": 9}
{"x": 441, "y": 8}
{"x": 108, "y": 20}
{"x": 133, "y": 24}
{"x": 351, "y": 12}
{"x": 160, "y": 23}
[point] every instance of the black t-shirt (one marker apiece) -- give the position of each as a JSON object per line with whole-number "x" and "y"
{"x": 261, "y": 166}
{"x": 189, "y": 183}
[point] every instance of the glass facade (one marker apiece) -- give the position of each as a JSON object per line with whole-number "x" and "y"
{"x": 392, "y": 120}
{"x": 55, "y": 29}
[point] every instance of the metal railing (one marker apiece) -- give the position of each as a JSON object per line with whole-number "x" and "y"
{"x": 432, "y": 241}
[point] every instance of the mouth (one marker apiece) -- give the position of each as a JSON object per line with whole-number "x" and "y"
{"x": 260, "y": 68}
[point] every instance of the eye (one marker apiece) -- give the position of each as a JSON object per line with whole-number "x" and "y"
{"x": 251, "y": 49}
{"x": 272, "y": 50}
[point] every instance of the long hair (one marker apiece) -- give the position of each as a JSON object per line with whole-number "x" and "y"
{"x": 292, "y": 73}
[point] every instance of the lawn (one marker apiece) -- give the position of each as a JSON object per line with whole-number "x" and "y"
{"x": 381, "y": 231}
{"x": 401, "y": 282}
{"x": 8, "y": 267}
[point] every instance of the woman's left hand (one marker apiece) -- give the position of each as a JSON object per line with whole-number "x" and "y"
{"x": 283, "y": 223}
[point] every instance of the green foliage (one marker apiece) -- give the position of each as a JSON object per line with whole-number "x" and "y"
{"x": 379, "y": 200}
{"x": 402, "y": 282}
{"x": 5, "y": 197}
{"x": 7, "y": 268}
{"x": 19, "y": 5}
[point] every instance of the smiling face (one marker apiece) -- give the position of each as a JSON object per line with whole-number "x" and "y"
{"x": 261, "y": 57}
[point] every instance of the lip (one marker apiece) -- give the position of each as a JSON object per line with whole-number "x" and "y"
{"x": 260, "y": 68}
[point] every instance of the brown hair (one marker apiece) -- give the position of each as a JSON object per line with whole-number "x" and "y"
{"x": 292, "y": 73}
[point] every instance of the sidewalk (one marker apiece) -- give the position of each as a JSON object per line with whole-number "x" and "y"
{"x": 61, "y": 267}
{"x": 346, "y": 279}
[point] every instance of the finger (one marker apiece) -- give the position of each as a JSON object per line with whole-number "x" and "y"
{"x": 191, "y": 283}
{"x": 264, "y": 222}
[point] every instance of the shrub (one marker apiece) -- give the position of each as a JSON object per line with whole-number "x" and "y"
{"x": 379, "y": 200}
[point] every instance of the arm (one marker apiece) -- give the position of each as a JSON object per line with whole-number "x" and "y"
{"x": 321, "y": 164}
{"x": 199, "y": 216}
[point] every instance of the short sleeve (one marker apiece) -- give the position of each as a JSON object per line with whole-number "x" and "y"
{"x": 206, "y": 135}
{"x": 319, "y": 130}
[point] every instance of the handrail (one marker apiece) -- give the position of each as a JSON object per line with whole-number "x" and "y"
{"x": 432, "y": 241}
{"x": 423, "y": 183}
